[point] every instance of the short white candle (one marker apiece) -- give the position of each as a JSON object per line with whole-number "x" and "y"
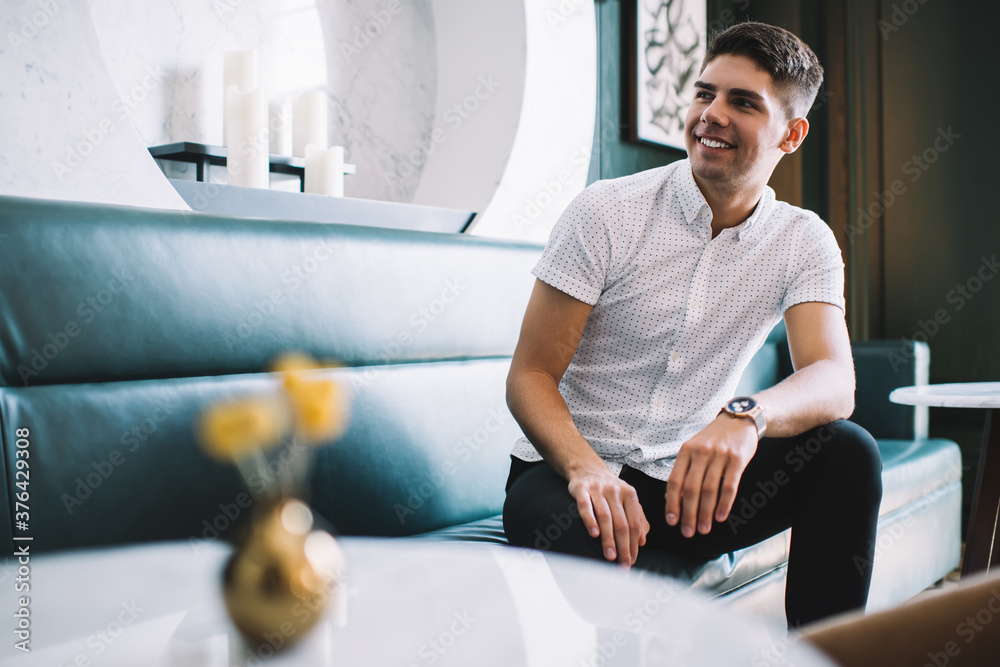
{"x": 325, "y": 170}
{"x": 309, "y": 122}
{"x": 247, "y": 161}
{"x": 240, "y": 69}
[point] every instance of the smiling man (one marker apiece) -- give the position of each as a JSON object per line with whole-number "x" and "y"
{"x": 653, "y": 293}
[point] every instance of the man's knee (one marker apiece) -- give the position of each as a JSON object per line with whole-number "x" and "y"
{"x": 851, "y": 450}
{"x": 540, "y": 513}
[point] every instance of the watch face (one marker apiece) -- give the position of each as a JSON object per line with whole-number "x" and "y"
{"x": 741, "y": 405}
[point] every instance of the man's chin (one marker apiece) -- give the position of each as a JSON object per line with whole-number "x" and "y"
{"x": 709, "y": 172}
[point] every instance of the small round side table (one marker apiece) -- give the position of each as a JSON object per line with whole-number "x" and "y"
{"x": 981, "y": 533}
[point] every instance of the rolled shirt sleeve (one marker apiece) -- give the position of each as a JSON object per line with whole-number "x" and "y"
{"x": 577, "y": 256}
{"x": 820, "y": 276}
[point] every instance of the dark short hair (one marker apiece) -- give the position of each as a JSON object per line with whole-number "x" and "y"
{"x": 793, "y": 66}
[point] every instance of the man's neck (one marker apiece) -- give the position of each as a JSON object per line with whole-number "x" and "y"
{"x": 730, "y": 207}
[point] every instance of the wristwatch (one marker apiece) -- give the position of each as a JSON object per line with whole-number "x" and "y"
{"x": 747, "y": 408}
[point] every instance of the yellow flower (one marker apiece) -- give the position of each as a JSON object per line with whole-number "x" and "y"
{"x": 320, "y": 407}
{"x": 234, "y": 430}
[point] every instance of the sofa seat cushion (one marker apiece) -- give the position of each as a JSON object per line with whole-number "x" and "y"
{"x": 489, "y": 529}
{"x": 912, "y": 469}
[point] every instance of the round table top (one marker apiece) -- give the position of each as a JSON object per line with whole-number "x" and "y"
{"x": 402, "y": 602}
{"x": 957, "y": 395}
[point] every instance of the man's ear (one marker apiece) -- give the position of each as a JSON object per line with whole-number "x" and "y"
{"x": 797, "y": 130}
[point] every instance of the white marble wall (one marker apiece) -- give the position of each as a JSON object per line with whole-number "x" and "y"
{"x": 128, "y": 74}
{"x": 65, "y": 132}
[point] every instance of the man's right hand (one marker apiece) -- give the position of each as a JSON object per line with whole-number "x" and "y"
{"x": 552, "y": 327}
{"x": 610, "y": 510}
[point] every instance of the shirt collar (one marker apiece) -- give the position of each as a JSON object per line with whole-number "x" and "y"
{"x": 693, "y": 203}
{"x": 691, "y": 199}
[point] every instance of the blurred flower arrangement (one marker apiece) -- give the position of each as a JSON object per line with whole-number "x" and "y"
{"x": 243, "y": 431}
{"x": 281, "y": 565}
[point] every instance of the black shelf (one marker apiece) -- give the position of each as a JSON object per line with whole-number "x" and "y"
{"x": 203, "y": 155}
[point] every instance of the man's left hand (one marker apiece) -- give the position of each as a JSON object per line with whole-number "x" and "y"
{"x": 707, "y": 473}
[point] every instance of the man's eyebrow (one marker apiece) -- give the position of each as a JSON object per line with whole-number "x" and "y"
{"x": 735, "y": 92}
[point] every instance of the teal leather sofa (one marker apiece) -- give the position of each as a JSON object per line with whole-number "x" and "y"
{"x": 120, "y": 324}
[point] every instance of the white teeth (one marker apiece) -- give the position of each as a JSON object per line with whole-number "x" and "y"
{"x": 714, "y": 144}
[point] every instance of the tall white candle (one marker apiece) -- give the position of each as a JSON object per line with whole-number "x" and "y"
{"x": 309, "y": 122}
{"x": 280, "y": 127}
{"x": 247, "y": 161}
{"x": 325, "y": 170}
{"x": 240, "y": 69}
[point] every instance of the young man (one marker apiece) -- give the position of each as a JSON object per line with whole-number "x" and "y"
{"x": 653, "y": 293}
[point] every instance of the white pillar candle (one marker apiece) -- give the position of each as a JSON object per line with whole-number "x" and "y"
{"x": 325, "y": 170}
{"x": 247, "y": 161}
{"x": 280, "y": 127}
{"x": 309, "y": 122}
{"x": 240, "y": 69}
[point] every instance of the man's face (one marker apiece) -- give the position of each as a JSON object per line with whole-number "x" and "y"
{"x": 738, "y": 111}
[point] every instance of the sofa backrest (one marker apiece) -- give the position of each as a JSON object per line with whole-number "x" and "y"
{"x": 120, "y": 324}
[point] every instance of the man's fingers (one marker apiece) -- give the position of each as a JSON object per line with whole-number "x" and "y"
{"x": 606, "y": 523}
{"x": 710, "y": 494}
{"x": 675, "y": 483}
{"x": 622, "y": 528}
{"x": 730, "y": 485}
{"x": 586, "y": 509}
{"x": 691, "y": 497}
{"x": 637, "y": 524}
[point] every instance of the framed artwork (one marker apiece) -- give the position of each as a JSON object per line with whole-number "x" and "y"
{"x": 666, "y": 43}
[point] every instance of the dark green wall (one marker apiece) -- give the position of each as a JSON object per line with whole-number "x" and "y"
{"x": 939, "y": 72}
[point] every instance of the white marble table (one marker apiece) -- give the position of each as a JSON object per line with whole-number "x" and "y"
{"x": 404, "y": 603}
{"x": 981, "y": 535}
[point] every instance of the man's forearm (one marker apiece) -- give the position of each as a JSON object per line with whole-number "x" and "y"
{"x": 541, "y": 412}
{"x": 817, "y": 394}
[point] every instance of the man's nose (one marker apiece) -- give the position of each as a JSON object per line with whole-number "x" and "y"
{"x": 715, "y": 113}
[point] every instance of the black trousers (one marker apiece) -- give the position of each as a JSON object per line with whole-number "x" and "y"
{"x": 825, "y": 484}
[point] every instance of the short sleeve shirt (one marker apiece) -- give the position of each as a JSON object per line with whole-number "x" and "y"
{"x": 677, "y": 314}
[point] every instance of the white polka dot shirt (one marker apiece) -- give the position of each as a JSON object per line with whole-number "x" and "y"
{"x": 677, "y": 314}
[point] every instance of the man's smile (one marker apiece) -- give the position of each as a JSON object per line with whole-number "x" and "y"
{"x": 713, "y": 142}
